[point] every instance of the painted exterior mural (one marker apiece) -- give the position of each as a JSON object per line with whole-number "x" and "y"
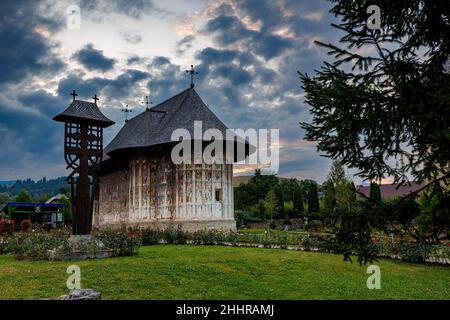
{"x": 154, "y": 191}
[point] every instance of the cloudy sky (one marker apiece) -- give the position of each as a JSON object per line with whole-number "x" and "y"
{"x": 247, "y": 54}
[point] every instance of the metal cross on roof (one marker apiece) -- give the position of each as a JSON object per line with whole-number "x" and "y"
{"x": 147, "y": 102}
{"x": 95, "y": 98}
{"x": 74, "y": 94}
{"x": 192, "y": 72}
{"x": 126, "y": 110}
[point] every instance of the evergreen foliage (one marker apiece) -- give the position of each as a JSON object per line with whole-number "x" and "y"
{"x": 375, "y": 192}
{"x": 298, "y": 208}
{"x": 381, "y": 106}
{"x": 313, "y": 199}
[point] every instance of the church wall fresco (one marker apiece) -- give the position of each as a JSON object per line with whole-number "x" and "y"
{"x": 153, "y": 190}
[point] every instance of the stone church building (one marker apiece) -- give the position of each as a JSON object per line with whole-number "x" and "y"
{"x": 138, "y": 184}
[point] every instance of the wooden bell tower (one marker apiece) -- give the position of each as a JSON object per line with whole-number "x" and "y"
{"x": 83, "y": 151}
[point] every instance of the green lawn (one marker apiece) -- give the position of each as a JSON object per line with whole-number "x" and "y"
{"x": 215, "y": 272}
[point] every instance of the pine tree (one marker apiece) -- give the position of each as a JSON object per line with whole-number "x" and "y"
{"x": 337, "y": 173}
{"x": 262, "y": 209}
{"x": 271, "y": 204}
{"x": 375, "y": 192}
{"x": 280, "y": 201}
{"x": 298, "y": 201}
{"x": 329, "y": 198}
{"x": 313, "y": 199}
{"x": 391, "y": 103}
{"x": 383, "y": 98}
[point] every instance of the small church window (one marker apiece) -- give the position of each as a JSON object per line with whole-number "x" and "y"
{"x": 218, "y": 195}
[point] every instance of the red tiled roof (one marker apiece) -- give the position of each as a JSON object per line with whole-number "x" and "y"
{"x": 392, "y": 190}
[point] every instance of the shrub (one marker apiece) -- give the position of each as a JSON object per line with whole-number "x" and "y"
{"x": 151, "y": 236}
{"x": 230, "y": 237}
{"x": 122, "y": 242}
{"x": 4, "y": 245}
{"x": 314, "y": 225}
{"x": 35, "y": 245}
{"x": 272, "y": 224}
{"x": 376, "y": 247}
{"x": 175, "y": 235}
{"x": 25, "y": 225}
{"x": 441, "y": 251}
{"x": 282, "y": 240}
{"x": 208, "y": 237}
{"x": 306, "y": 242}
{"x": 7, "y": 227}
{"x": 181, "y": 236}
{"x": 411, "y": 251}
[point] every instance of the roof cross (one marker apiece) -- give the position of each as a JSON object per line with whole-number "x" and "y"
{"x": 192, "y": 72}
{"x": 95, "y": 98}
{"x": 126, "y": 110}
{"x": 147, "y": 102}
{"x": 74, "y": 94}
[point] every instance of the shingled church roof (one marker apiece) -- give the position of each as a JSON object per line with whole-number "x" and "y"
{"x": 155, "y": 126}
{"x": 80, "y": 111}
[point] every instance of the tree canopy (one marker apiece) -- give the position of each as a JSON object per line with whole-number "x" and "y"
{"x": 382, "y": 105}
{"x": 23, "y": 196}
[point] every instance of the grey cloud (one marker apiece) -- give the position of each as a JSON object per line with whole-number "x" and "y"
{"x": 92, "y": 58}
{"x": 116, "y": 88}
{"x": 184, "y": 44}
{"x": 230, "y": 30}
{"x": 24, "y": 51}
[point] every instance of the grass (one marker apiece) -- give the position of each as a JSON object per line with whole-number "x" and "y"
{"x": 215, "y": 272}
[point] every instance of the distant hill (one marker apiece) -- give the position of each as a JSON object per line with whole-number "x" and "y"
{"x": 35, "y": 188}
{"x": 7, "y": 182}
{"x": 237, "y": 180}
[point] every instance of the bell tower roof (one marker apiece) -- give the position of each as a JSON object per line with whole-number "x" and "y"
{"x": 81, "y": 111}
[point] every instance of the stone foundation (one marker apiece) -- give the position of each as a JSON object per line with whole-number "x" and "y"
{"x": 189, "y": 225}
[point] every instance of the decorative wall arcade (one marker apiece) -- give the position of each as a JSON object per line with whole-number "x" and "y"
{"x": 153, "y": 189}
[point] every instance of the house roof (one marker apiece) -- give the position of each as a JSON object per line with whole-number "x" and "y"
{"x": 394, "y": 190}
{"x": 58, "y": 197}
{"x": 83, "y": 111}
{"x": 156, "y": 125}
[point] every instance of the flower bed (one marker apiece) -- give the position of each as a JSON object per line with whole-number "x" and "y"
{"x": 123, "y": 241}
{"x": 404, "y": 250}
{"x": 40, "y": 244}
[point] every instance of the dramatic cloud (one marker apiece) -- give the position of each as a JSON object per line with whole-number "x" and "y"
{"x": 229, "y": 30}
{"x": 25, "y": 49}
{"x": 94, "y": 59}
{"x": 247, "y": 54}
